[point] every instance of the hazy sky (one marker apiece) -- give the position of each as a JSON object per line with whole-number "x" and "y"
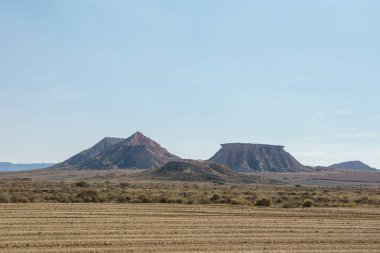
{"x": 191, "y": 75}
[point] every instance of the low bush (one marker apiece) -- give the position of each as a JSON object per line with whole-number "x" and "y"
{"x": 215, "y": 197}
{"x": 123, "y": 199}
{"x": 88, "y": 196}
{"x": 124, "y": 185}
{"x": 290, "y": 204}
{"x": 265, "y": 201}
{"x": 163, "y": 200}
{"x": 82, "y": 184}
{"x": 308, "y": 203}
{"x": 19, "y": 199}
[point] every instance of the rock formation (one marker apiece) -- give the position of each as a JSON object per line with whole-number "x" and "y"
{"x": 198, "y": 171}
{"x": 247, "y": 157}
{"x": 98, "y": 148}
{"x": 352, "y": 165}
{"x": 135, "y": 152}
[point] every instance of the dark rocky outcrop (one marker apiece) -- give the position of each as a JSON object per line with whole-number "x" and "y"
{"x": 352, "y": 165}
{"x": 137, "y": 151}
{"x": 198, "y": 171}
{"x": 247, "y": 157}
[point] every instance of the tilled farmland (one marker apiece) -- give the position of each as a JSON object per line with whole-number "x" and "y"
{"x": 185, "y": 228}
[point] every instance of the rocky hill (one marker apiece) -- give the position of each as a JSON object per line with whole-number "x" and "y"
{"x": 198, "y": 171}
{"x": 137, "y": 151}
{"x": 246, "y": 157}
{"x": 352, "y": 165}
{"x": 98, "y": 148}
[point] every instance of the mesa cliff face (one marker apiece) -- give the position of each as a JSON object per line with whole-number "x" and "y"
{"x": 246, "y": 157}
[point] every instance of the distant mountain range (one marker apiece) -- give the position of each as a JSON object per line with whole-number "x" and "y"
{"x": 7, "y": 166}
{"x": 140, "y": 152}
{"x": 352, "y": 165}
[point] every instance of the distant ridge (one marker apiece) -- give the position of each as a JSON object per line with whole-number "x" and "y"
{"x": 7, "y": 166}
{"x": 352, "y": 165}
{"x": 247, "y": 157}
{"x": 135, "y": 152}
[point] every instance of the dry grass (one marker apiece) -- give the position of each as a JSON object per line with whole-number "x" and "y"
{"x": 185, "y": 228}
{"x": 188, "y": 193}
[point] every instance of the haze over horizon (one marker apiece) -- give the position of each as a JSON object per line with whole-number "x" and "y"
{"x": 191, "y": 75}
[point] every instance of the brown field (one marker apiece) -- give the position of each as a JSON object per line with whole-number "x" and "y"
{"x": 52, "y": 227}
{"x": 91, "y": 211}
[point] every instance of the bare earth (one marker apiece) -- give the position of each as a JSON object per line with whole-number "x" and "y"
{"x": 51, "y": 227}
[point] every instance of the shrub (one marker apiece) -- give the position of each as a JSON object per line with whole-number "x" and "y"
{"x": 124, "y": 185}
{"x": 308, "y": 203}
{"x": 123, "y": 199}
{"x": 88, "y": 196}
{"x": 215, "y": 197}
{"x": 82, "y": 184}
{"x": 204, "y": 201}
{"x": 225, "y": 200}
{"x": 345, "y": 199}
{"x": 163, "y": 200}
{"x": 19, "y": 199}
{"x": 4, "y": 197}
{"x": 264, "y": 202}
{"x": 290, "y": 204}
{"x": 145, "y": 200}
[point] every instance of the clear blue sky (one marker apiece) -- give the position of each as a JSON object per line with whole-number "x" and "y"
{"x": 191, "y": 75}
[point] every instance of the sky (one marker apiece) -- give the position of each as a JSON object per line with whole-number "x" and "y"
{"x": 191, "y": 75}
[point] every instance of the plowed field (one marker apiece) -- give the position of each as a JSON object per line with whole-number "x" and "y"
{"x": 185, "y": 228}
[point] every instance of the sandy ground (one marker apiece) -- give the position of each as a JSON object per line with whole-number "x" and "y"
{"x": 185, "y": 228}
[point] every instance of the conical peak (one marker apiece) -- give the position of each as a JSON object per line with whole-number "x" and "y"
{"x": 138, "y": 139}
{"x": 137, "y": 134}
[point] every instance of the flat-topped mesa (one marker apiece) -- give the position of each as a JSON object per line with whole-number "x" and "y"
{"x": 247, "y": 145}
{"x": 247, "y": 157}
